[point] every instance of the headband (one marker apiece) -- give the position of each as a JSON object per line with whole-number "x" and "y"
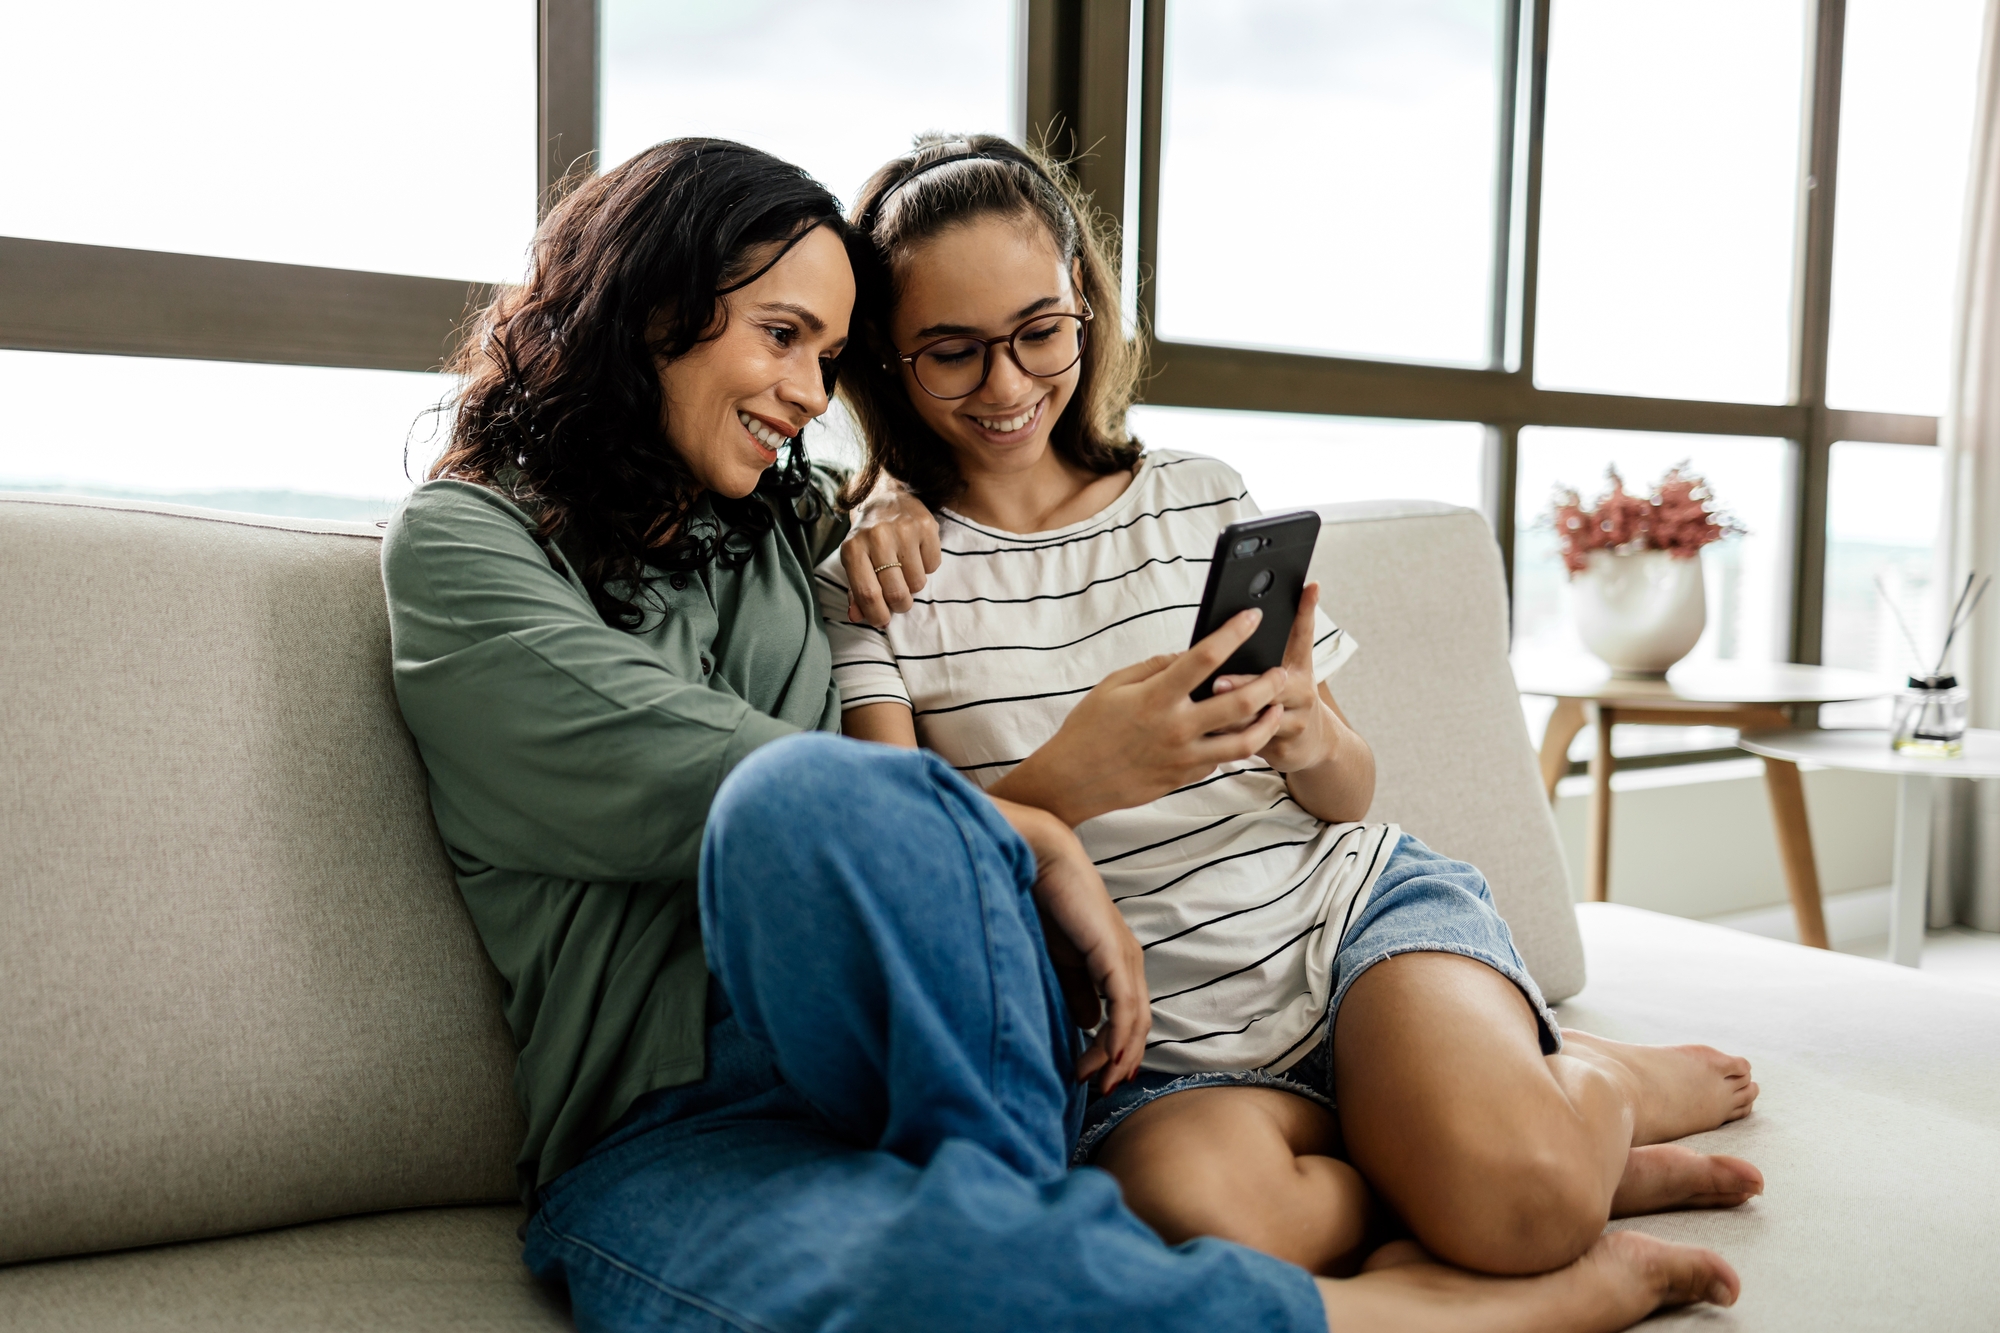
{"x": 970, "y": 154}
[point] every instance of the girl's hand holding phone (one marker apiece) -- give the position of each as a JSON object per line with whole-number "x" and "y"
{"x": 1139, "y": 734}
{"x": 1327, "y": 765}
{"x": 1306, "y": 735}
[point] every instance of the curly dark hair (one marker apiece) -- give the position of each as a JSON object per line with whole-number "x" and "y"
{"x": 951, "y": 180}
{"x": 561, "y": 407}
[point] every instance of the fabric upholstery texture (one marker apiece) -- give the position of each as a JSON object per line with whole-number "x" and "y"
{"x": 434, "y": 1270}
{"x": 240, "y": 987}
{"x": 1420, "y": 586}
{"x": 1877, "y": 1127}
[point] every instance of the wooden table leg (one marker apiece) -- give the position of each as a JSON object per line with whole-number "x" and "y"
{"x": 1597, "y": 833}
{"x": 1795, "y": 849}
{"x": 1564, "y": 723}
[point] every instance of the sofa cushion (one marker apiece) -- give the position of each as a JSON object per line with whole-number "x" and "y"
{"x": 1420, "y": 585}
{"x": 1877, "y": 1127}
{"x": 240, "y": 987}
{"x": 429, "y": 1271}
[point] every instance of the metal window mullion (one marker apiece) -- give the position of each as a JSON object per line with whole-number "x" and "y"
{"x": 1499, "y": 476}
{"x": 1515, "y": 287}
{"x": 1049, "y": 79}
{"x": 59, "y": 297}
{"x": 1531, "y": 223}
{"x": 1152, "y": 101}
{"x": 1104, "y": 62}
{"x": 1811, "y": 324}
{"x": 1504, "y": 186}
{"x": 566, "y": 77}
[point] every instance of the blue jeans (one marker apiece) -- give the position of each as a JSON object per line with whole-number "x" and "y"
{"x": 882, "y": 1135}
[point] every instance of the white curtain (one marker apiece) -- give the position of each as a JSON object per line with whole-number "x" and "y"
{"x": 1965, "y": 879}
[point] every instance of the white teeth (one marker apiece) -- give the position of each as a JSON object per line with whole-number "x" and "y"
{"x": 1008, "y": 424}
{"x": 762, "y": 433}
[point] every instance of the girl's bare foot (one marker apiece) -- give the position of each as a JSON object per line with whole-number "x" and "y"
{"x": 1676, "y": 1090}
{"x": 1666, "y": 1176}
{"x": 1622, "y": 1278}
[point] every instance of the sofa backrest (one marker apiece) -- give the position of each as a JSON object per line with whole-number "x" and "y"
{"x": 1421, "y": 588}
{"x": 239, "y": 987}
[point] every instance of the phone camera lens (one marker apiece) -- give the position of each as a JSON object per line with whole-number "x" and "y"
{"x": 1261, "y": 584}
{"x": 1248, "y": 546}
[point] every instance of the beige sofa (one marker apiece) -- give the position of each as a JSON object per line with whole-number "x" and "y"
{"x": 253, "y": 1073}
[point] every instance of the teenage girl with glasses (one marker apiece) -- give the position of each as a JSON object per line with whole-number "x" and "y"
{"x": 1298, "y": 956}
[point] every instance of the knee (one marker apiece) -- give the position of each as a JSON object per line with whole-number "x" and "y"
{"x": 814, "y": 777}
{"x": 1530, "y": 1209}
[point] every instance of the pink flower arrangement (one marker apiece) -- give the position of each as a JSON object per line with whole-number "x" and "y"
{"x": 1679, "y": 518}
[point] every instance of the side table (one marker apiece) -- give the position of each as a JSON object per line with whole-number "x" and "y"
{"x": 1916, "y": 785}
{"x": 1746, "y": 696}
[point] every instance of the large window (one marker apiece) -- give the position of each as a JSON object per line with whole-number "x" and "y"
{"x": 1290, "y": 458}
{"x": 1906, "y": 97}
{"x": 1669, "y": 197}
{"x": 370, "y": 134}
{"x": 318, "y": 441}
{"x": 1455, "y": 249}
{"x": 1711, "y": 232}
{"x": 1357, "y": 143}
{"x": 838, "y": 88}
{"x": 1882, "y": 506}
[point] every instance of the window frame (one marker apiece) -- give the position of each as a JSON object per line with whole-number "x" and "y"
{"x": 1076, "y": 63}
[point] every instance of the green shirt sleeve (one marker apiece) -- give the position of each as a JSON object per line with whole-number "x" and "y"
{"x": 554, "y": 742}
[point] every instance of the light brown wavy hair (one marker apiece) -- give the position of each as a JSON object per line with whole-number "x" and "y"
{"x": 996, "y": 178}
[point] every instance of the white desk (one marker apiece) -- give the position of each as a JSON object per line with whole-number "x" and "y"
{"x": 1917, "y": 781}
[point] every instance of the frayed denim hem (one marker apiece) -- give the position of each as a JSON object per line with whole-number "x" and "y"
{"x": 1545, "y": 1017}
{"x": 1093, "y": 1138}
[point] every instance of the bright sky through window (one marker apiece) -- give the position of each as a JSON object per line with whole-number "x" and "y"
{"x": 1669, "y": 197}
{"x": 371, "y": 134}
{"x": 1327, "y": 176}
{"x": 837, "y": 86}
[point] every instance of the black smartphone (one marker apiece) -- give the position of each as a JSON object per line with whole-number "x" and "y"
{"x": 1259, "y": 562}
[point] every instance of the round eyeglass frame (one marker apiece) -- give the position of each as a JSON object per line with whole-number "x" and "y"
{"x": 988, "y": 344}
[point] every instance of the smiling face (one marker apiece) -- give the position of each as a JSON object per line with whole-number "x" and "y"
{"x": 730, "y": 404}
{"x": 984, "y": 279}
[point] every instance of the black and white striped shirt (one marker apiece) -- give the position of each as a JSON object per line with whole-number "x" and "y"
{"x": 1239, "y": 896}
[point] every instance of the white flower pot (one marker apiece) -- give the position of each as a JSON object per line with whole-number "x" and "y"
{"x": 1640, "y": 612}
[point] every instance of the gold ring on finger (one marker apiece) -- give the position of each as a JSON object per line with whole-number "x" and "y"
{"x": 893, "y": 564}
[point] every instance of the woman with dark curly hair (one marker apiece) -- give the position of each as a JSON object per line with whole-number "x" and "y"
{"x": 798, "y": 1016}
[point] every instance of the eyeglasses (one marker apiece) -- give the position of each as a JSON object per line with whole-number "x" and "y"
{"x": 1044, "y": 347}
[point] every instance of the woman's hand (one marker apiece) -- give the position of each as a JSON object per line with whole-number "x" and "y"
{"x": 1138, "y": 735}
{"x": 1329, "y": 768}
{"x": 891, "y": 548}
{"x": 1094, "y": 952}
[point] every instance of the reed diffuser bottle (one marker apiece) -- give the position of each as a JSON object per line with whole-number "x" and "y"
{"x": 1930, "y": 711}
{"x": 1930, "y": 718}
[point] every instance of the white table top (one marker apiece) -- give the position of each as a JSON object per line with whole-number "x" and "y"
{"x": 1869, "y": 752}
{"x": 1698, "y": 683}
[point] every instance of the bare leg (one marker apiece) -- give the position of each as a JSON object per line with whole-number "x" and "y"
{"x": 1252, "y": 1165}
{"x": 1623, "y": 1277}
{"x": 1500, "y": 1159}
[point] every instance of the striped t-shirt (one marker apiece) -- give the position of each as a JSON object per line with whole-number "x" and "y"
{"x": 1239, "y": 896}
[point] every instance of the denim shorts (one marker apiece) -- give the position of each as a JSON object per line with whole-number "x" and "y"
{"x": 1422, "y": 902}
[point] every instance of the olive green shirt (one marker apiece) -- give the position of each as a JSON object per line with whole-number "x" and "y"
{"x": 571, "y": 770}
